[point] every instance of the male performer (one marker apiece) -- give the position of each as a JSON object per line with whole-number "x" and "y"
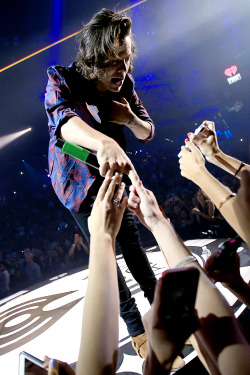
{"x": 89, "y": 103}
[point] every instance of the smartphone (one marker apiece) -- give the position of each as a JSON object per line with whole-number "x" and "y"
{"x": 203, "y": 131}
{"x": 225, "y": 254}
{"x": 179, "y": 294}
{"x": 30, "y": 365}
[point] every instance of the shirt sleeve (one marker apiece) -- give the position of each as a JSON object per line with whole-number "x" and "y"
{"x": 58, "y": 100}
{"x": 140, "y": 111}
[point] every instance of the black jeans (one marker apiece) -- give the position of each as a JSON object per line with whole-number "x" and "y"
{"x": 129, "y": 240}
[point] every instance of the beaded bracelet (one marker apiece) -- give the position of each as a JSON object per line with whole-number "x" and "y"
{"x": 241, "y": 166}
{"x": 225, "y": 200}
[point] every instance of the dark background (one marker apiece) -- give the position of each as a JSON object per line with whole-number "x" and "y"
{"x": 183, "y": 49}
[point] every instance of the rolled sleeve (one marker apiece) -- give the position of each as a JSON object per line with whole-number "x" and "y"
{"x": 140, "y": 111}
{"x": 58, "y": 102}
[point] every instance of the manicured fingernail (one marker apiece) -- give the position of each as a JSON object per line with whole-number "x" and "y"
{"x": 52, "y": 362}
{"x": 117, "y": 174}
{"x": 186, "y": 140}
{"x": 188, "y": 134}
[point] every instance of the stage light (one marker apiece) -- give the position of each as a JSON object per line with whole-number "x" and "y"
{"x": 61, "y": 40}
{"x": 6, "y": 139}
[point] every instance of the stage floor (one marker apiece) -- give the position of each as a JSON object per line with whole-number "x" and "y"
{"x": 46, "y": 319}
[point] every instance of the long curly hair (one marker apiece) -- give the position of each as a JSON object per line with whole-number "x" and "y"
{"x": 100, "y": 42}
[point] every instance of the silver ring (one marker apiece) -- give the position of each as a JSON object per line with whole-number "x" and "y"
{"x": 117, "y": 202}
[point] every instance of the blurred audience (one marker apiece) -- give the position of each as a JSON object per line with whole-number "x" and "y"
{"x": 32, "y": 271}
{"x": 4, "y": 279}
{"x": 79, "y": 251}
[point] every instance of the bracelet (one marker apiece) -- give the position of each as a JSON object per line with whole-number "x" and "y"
{"x": 241, "y": 166}
{"x": 225, "y": 200}
{"x": 185, "y": 261}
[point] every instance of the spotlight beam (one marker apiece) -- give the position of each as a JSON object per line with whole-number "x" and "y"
{"x": 6, "y": 139}
{"x": 60, "y": 41}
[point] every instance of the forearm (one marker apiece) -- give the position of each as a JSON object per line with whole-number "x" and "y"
{"x": 228, "y": 163}
{"x": 171, "y": 245}
{"x": 101, "y": 311}
{"x": 72, "y": 249}
{"x": 217, "y": 193}
{"x": 76, "y": 131}
{"x": 152, "y": 365}
{"x": 140, "y": 128}
{"x": 240, "y": 290}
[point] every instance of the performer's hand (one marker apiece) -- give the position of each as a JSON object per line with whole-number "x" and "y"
{"x": 111, "y": 157}
{"x": 191, "y": 161}
{"x": 144, "y": 205}
{"x": 106, "y": 216}
{"x": 56, "y": 367}
{"x": 120, "y": 113}
{"x": 208, "y": 146}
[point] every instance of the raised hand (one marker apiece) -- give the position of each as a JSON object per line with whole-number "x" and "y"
{"x": 144, "y": 204}
{"x": 162, "y": 342}
{"x": 107, "y": 212}
{"x": 191, "y": 161}
{"x": 225, "y": 274}
{"x": 208, "y": 145}
{"x": 56, "y": 367}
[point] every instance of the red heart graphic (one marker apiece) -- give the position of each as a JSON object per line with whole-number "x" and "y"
{"x": 231, "y": 71}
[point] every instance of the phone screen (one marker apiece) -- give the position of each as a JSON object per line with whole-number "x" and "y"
{"x": 180, "y": 287}
{"x": 30, "y": 365}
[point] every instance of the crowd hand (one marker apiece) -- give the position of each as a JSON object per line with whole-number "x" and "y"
{"x": 208, "y": 146}
{"x": 120, "y": 113}
{"x": 229, "y": 274}
{"x": 166, "y": 343}
{"x": 144, "y": 205}
{"x": 56, "y": 367}
{"x": 191, "y": 161}
{"x": 106, "y": 215}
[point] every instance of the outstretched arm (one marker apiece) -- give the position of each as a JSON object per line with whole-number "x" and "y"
{"x": 99, "y": 340}
{"x": 225, "y": 350}
{"x": 218, "y": 193}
